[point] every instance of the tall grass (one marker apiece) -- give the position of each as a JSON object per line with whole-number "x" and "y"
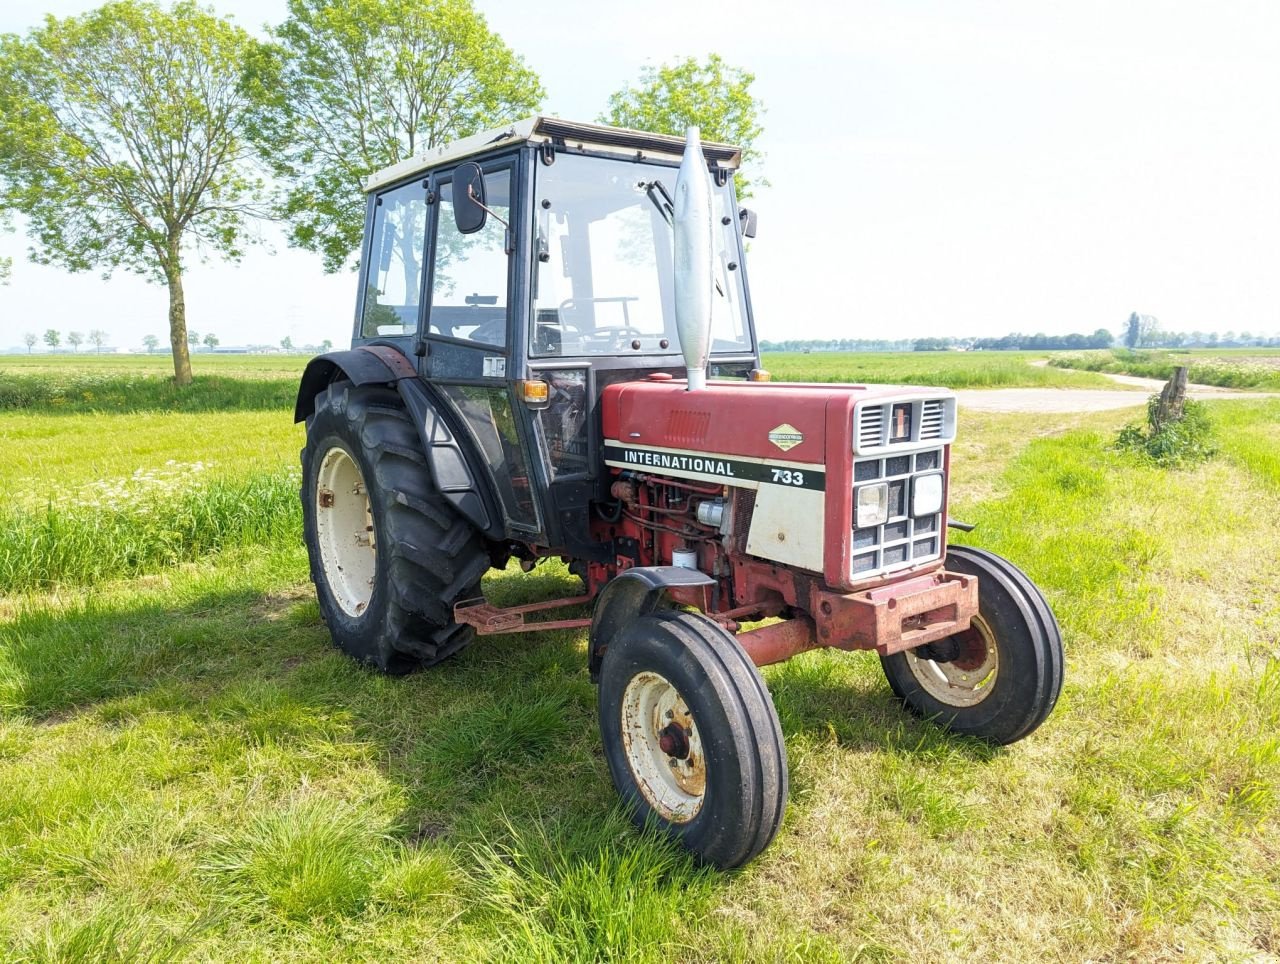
{"x": 84, "y": 542}
{"x": 1225, "y": 371}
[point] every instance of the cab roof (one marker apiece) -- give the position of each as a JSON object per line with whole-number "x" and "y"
{"x": 552, "y": 130}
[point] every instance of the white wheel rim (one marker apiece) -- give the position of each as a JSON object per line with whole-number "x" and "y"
{"x": 671, "y": 778}
{"x": 344, "y": 531}
{"x": 963, "y": 682}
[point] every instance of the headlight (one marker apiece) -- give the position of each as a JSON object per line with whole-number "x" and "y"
{"x": 871, "y": 507}
{"x": 926, "y": 495}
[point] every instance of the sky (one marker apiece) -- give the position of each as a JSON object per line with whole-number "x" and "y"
{"x": 971, "y": 167}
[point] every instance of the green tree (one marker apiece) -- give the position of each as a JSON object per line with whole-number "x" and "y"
{"x": 1149, "y": 333}
{"x": 98, "y": 338}
{"x": 75, "y": 339}
{"x": 29, "y": 339}
{"x": 151, "y": 342}
{"x": 326, "y": 344}
{"x": 286, "y": 343}
{"x": 122, "y": 141}
{"x": 193, "y": 338}
{"x": 211, "y": 341}
{"x": 6, "y": 264}
{"x": 1133, "y": 331}
{"x": 367, "y": 83}
{"x": 52, "y": 338}
{"x": 713, "y": 95}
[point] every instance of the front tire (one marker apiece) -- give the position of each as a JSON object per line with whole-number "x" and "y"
{"x": 999, "y": 679}
{"x": 389, "y": 556}
{"x": 691, "y": 737}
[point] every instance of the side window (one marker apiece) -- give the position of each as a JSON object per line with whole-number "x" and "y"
{"x": 395, "y": 263}
{"x": 469, "y": 284}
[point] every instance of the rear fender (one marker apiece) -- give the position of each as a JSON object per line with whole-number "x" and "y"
{"x": 450, "y": 457}
{"x": 366, "y": 365}
{"x": 635, "y": 593}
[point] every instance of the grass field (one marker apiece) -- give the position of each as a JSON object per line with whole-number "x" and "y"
{"x": 953, "y": 369}
{"x": 138, "y": 383}
{"x": 190, "y": 771}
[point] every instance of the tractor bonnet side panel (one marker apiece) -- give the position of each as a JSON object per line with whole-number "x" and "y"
{"x": 752, "y": 436}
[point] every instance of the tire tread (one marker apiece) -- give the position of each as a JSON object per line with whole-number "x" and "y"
{"x": 434, "y": 557}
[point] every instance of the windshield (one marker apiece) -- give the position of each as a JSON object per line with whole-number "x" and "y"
{"x": 603, "y": 284}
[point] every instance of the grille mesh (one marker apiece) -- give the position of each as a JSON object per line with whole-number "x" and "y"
{"x": 931, "y": 419}
{"x": 871, "y": 426}
{"x": 902, "y": 540}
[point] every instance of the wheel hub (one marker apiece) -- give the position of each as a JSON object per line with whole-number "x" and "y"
{"x": 960, "y": 670}
{"x": 663, "y": 747}
{"x": 345, "y": 532}
{"x": 674, "y": 741}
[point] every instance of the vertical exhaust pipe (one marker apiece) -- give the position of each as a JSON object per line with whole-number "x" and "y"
{"x": 693, "y": 260}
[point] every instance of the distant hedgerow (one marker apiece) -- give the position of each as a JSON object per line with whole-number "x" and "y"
{"x": 112, "y": 392}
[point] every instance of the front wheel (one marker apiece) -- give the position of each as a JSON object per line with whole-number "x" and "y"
{"x": 997, "y": 680}
{"x": 691, "y": 736}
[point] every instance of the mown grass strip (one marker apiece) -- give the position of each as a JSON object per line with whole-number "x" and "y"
{"x": 1250, "y": 437}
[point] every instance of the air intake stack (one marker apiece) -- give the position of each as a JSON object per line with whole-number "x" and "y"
{"x": 693, "y": 260}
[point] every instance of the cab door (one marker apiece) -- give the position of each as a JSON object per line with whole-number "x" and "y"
{"x": 467, "y": 330}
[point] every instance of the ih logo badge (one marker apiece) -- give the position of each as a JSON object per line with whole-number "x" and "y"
{"x": 786, "y": 436}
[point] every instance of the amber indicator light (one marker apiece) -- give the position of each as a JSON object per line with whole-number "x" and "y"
{"x": 535, "y": 392}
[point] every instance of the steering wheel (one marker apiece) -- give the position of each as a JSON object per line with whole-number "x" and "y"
{"x": 615, "y": 335}
{"x": 572, "y": 304}
{"x": 492, "y": 332}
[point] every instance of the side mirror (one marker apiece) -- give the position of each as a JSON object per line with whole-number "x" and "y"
{"x": 469, "y": 212}
{"x": 747, "y": 221}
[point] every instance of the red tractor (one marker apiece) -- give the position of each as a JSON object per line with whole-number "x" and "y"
{"x": 554, "y": 357}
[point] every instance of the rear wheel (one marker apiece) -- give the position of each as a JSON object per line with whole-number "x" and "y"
{"x": 997, "y": 680}
{"x": 691, "y": 736}
{"x": 389, "y": 556}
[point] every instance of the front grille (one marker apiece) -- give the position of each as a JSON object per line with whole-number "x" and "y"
{"x": 903, "y": 540}
{"x": 927, "y": 420}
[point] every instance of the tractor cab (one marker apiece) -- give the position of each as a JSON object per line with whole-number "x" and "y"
{"x": 525, "y": 269}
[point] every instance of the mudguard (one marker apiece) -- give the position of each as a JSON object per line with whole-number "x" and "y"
{"x": 366, "y": 365}
{"x": 635, "y": 593}
{"x": 449, "y": 460}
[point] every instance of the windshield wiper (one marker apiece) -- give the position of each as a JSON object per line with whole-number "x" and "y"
{"x": 656, "y": 191}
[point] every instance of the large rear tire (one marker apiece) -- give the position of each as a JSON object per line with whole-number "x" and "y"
{"x": 389, "y": 556}
{"x": 691, "y": 737}
{"x": 999, "y": 679}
